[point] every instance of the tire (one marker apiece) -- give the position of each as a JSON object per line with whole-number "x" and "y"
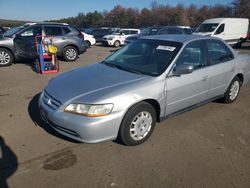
{"x": 6, "y": 57}
{"x": 232, "y": 91}
{"x": 88, "y": 43}
{"x": 70, "y": 53}
{"x": 117, "y": 43}
{"x": 137, "y": 124}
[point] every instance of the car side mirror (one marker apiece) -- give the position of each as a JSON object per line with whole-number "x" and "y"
{"x": 18, "y": 36}
{"x": 183, "y": 69}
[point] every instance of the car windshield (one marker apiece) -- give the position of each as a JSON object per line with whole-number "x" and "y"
{"x": 150, "y": 57}
{"x": 14, "y": 30}
{"x": 203, "y": 28}
{"x": 149, "y": 31}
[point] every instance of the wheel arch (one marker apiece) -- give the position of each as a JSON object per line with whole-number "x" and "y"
{"x": 241, "y": 77}
{"x": 11, "y": 51}
{"x": 156, "y": 107}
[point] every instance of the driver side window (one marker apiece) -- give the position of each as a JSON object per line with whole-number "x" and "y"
{"x": 32, "y": 32}
{"x": 193, "y": 54}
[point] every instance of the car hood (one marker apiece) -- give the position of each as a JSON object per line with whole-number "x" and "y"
{"x": 88, "y": 80}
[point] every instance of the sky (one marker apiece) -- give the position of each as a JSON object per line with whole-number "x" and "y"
{"x": 34, "y": 10}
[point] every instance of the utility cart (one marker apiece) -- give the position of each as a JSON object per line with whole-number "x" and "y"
{"x": 47, "y": 58}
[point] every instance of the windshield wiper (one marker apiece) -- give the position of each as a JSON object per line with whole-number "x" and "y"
{"x": 121, "y": 67}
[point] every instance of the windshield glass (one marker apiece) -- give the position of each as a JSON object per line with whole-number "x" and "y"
{"x": 14, "y": 30}
{"x": 203, "y": 28}
{"x": 150, "y": 57}
{"x": 149, "y": 31}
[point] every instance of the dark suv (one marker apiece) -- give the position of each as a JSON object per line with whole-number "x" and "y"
{"x": 160, "y": 30}
{"x": 19, "y": 42}
{"x": 98, "y": 33}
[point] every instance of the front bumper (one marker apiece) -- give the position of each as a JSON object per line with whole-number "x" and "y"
{"x": 81, "y": 128}
{"x": 108, "y": 42}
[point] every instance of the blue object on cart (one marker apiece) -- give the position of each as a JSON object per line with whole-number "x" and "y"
{"x": 40, "y": 51}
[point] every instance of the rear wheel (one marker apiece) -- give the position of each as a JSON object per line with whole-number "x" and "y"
{"x": 70, "y": 53}
{"x": 6, "y": 57}
{"x": 233, "y": 91}
{"x": 138, "y": 124}
{"x": 88, "y": 43}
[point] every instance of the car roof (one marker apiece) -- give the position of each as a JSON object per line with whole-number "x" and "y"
{"x": 46, "y": 23}
{"x": 176, "y": 38}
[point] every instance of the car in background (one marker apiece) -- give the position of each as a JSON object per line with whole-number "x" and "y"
{"x": 118, "y": 38}
{"x": 144, "y": 32}
{"x": 20, "y": 43}
{"x": 89, "y": 39}
{"x": 147, "y": 81}
{"x": 98, "y": 33}
{"x": 167, "y": 30}
{"x": 2, "y": 30}
{"x": 248, "y": 34}
{"x": 232, "y": 30}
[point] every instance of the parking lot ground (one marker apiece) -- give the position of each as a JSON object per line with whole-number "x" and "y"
{"x": 206, "y": 147}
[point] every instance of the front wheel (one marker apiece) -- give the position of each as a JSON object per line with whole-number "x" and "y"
{"x": 6, "y": 57}
{"x": 138, "y": 124}
{"x": 70, "y": 53}
{"x": 117, "y": 43}
{"x": 233, "y": 91}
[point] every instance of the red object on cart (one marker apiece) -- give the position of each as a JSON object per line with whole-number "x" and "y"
{"x": 48, "y": 62}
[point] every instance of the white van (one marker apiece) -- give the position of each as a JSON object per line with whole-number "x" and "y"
{"x": 118, "y": 37}
{"x": 231, "y": 30}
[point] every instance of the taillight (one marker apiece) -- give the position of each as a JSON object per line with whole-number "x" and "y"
{"x": 80, "y": 35}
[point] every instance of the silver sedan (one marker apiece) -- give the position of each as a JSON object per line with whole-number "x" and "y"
{"x": 147, "y": 81}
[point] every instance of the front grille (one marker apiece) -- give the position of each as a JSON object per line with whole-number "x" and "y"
{"x": 51, "y": 101}
{"x": 68, "y": 131}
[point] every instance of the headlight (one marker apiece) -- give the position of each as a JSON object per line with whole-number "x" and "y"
{"x": 95, "y": 110}
{"x": 110, "y": 38}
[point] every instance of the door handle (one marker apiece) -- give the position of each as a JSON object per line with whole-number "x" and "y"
{"x": 204, "y": 78}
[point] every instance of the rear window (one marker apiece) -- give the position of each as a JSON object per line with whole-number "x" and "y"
{"x": 53, "y": 30}
{"x": 66, "y": 30}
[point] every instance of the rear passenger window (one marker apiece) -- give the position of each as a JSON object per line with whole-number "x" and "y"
{"x": 163, "y": 32}
{"x": 133, "y": 32}
{"x": 174, "y": 31}
{"x": 218, "y": 52}
{"x": 126, "y": 32}
{"x": 66, "y": 30}
{"x": 53, "y": 30}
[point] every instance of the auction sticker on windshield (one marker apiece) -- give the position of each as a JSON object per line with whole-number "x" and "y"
{"x": 167, "y": 48}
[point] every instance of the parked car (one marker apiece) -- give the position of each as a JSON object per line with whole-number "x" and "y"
{"x": 89, "y": 39}
{"x": 167, "y": 30}
{"x": 146, "y": 81}
{"x": 231, "y": 30}
{"x": 144, "y": 32}
{"x": 2, "y": 30}
{"x": 118, "y": 38}
{"x": 19, "y": 42}
{"x": 98, "y": 33}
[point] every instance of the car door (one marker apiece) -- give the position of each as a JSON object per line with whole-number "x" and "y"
{"x": 186, "y": 90}
{"x": 25, "y": 42}
{"x": 221, "y": 66}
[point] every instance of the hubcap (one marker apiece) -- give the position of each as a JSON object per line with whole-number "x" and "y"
{"x": 141, "y": 125}
{"x": 4, "y": 58}
{"x": 234, "y": 90}
{"x": 71, "y": 54}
